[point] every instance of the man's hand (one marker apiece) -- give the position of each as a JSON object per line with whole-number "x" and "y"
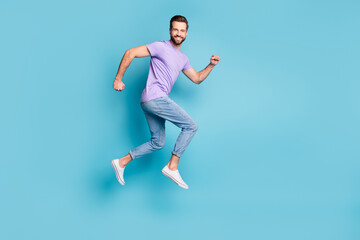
{"x": 214, "y": 60}
{"x": 119, "y": 85}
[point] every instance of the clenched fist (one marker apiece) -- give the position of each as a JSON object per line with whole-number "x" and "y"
{"x": 119, "y": 85}
{"x": 214, "y": 60}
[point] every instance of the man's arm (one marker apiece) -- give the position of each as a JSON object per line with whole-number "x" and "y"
{"x": 129, "y": 55}
{"x": 198, "y": 77}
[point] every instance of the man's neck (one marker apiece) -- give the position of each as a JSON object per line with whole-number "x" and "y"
{"x": 176, "y": 46}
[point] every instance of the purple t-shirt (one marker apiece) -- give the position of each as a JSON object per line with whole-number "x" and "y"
{"x": 165, "y": 66}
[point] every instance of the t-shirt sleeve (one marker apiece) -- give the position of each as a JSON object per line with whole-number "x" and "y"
{"x": 187, "y": 65}
{"x": 154, "y": 48}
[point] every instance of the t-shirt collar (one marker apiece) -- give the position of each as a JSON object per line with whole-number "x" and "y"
{"x": 169, "y": 42}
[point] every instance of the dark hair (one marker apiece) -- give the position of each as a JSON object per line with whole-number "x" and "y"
{"x": 179, "y": 18}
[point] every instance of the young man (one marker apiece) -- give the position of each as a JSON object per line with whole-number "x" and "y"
{"x": 166, "y": 63}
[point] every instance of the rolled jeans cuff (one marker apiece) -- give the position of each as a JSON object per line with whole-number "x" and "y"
{"x": 132, "y": 155}
{"x": 176, "y": 154}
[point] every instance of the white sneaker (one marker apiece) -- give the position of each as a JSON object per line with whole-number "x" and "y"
{"x": 119, "y": 171}
{"x": 175, "y": 176}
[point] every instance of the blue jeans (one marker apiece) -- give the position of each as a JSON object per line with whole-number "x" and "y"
{"x": 157, "y": 111}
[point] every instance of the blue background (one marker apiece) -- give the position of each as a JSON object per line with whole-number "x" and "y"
{"x": 276, "y": 155}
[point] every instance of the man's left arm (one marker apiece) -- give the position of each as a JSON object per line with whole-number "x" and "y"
{"x": 198, "y": 77}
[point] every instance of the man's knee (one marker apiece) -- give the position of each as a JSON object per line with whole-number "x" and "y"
{"x": 193, "y": 127}
{"x": 158, "y": 143}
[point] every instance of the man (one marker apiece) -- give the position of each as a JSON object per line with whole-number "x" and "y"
{"x": 166, "y": 63}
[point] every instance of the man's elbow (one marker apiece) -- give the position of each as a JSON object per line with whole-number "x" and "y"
{"x": 129, "y": 53}
{"x": 198, "y": 79}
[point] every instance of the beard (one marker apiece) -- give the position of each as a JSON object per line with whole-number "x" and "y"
{"x": 177, "y": 42}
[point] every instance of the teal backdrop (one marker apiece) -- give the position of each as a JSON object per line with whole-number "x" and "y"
{"x": 276, "y": 155}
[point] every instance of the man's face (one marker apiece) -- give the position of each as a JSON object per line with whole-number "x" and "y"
{"x": 178, "y": 32}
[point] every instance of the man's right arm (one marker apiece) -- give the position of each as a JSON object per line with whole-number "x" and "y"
{"x": 129, "y": 55}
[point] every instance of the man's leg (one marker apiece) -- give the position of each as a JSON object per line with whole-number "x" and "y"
{"x": 178, "y": 116}
{"x": 157, "y": 130}
{"x": 157, "y": 141}
{"x": 188, "y": 129}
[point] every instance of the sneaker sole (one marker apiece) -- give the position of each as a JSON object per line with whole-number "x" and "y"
{"x": 117, "y": 174}
{"x": 169, "y": 176}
